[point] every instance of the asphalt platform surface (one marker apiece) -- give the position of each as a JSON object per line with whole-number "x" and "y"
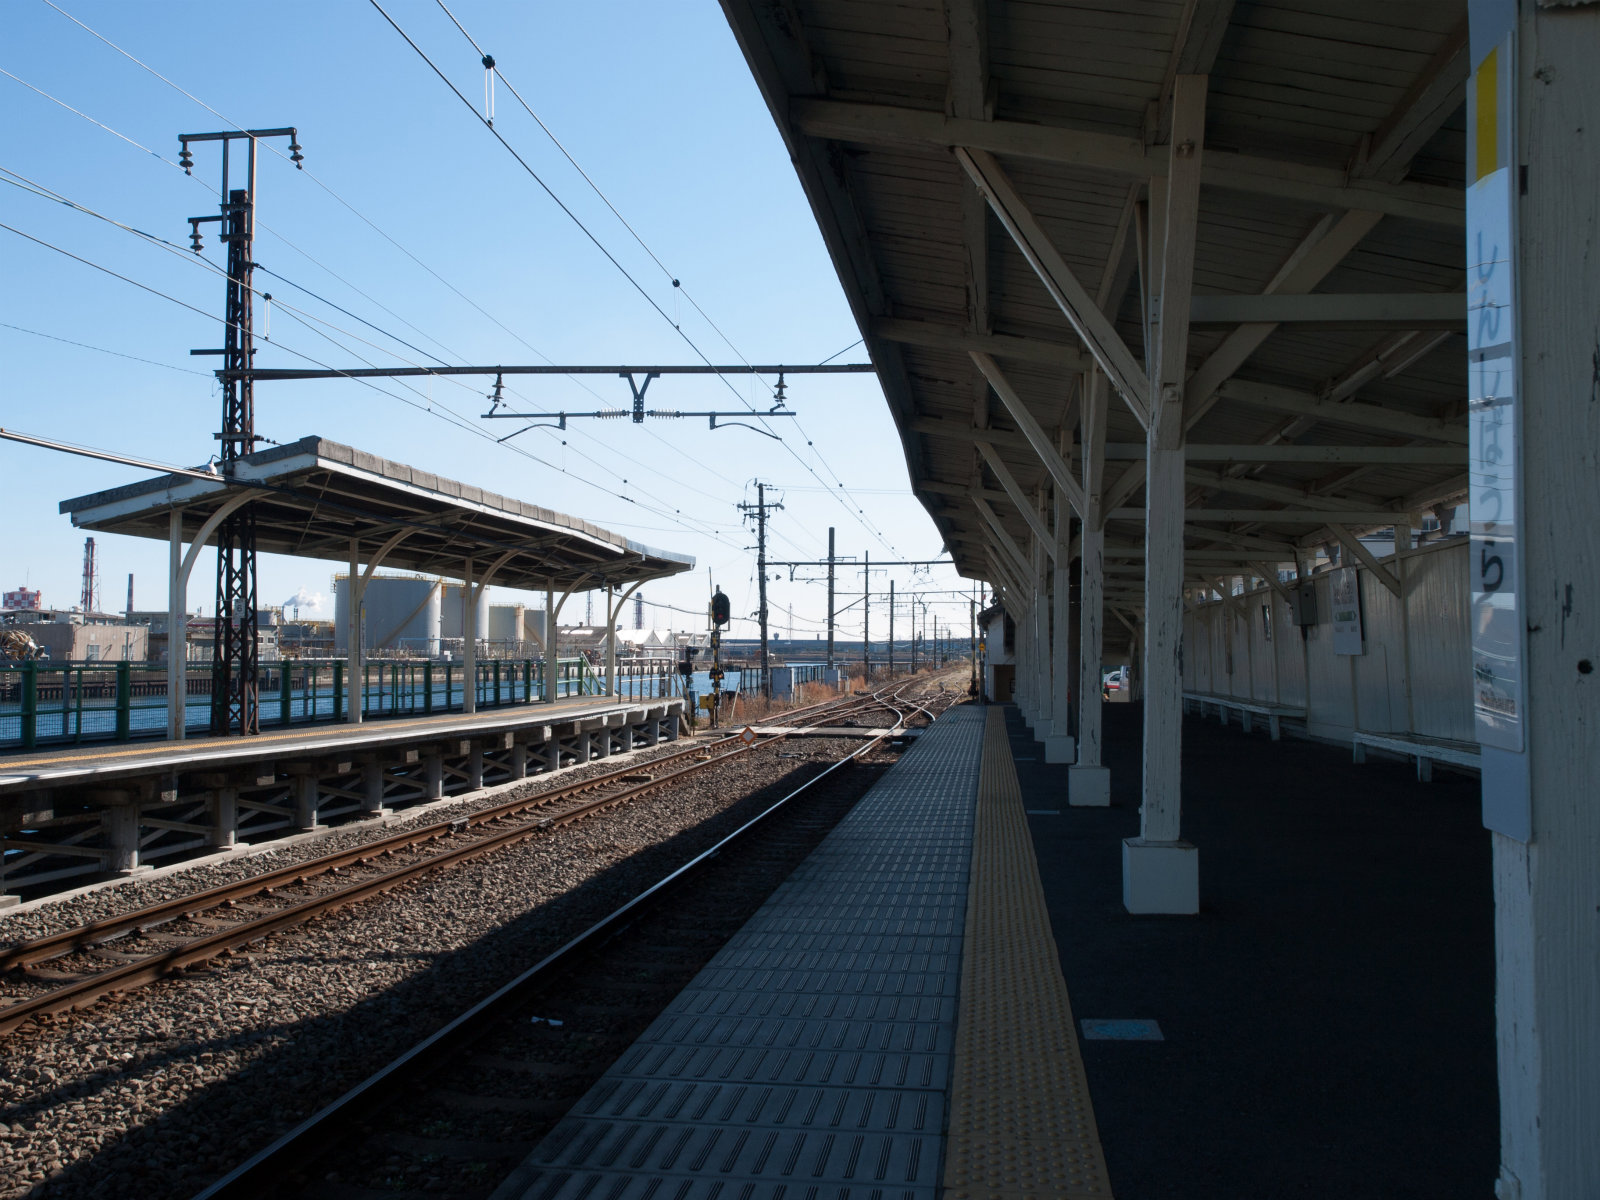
{"x": 1328, "y": 1017}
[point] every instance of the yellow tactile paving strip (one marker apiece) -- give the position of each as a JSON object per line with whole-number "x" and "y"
{"x": 1021, "y": 1123}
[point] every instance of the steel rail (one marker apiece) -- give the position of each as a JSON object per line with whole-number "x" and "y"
{"x": 148, "y": 969}
{"x": 108, "y": 929}
{"x": 297, "y": 1143}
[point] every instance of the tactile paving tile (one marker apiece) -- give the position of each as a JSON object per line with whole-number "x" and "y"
{"x": 1021, "y": 1124}
{"x": 811, "y": 1057}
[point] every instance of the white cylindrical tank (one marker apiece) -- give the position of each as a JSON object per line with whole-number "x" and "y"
{"x": 505, "y": 623}
{"x": 402, "y": 613}
{"x": 450, "y": 616}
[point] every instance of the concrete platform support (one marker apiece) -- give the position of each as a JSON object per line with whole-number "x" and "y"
{"x": 222, "y": 806}
{"x": 519, "y": 760}
{"x": 372, "y": 785}
{"x": 475, "y": 767}
{"x": 1159, "y": 872}
{"x": 121, "y": 825}
{"x": 433, "y": 776}
{"x": 1542, "y": 803}
{"x": 305, "y": 801}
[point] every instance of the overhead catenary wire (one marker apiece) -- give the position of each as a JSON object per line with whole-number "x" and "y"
{"x": 858, "y": 513}
{"x": 356, "y": 212}
{"x": 296, "y": 313}
{"x": 330, "y": 271}
{"x": 441, "y": 412}
{"x": 104, "y": 350}
{"x": 493, "y": 68}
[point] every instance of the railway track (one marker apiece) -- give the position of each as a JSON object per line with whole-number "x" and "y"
{"x": 472, "y": 1116}
{"x": 75, "y": 968}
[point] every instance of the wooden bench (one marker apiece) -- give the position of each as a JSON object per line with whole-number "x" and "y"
{"x": 1274, "y": 713}
{"x": 1426, "y": 751}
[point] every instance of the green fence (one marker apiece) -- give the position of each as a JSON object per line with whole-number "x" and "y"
{"x": 51, "y": 703}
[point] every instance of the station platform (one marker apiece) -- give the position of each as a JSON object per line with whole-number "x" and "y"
{"x": 84, "y": 812}
{"x": 1328, "y": 1017}
{"x": 820, "y": 1051}
{"x": 67, "y": 765}
{"x": 895, "y": 1023}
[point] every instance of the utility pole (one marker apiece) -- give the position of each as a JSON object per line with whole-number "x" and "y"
{"x": 830, "y": 597}
{"x": 866, "y": 618}
{"x": 760, "y": 508}
{"x": 972, "y": 644}
{"x": 234, "y": 666}
{"x": 891, "y": 629}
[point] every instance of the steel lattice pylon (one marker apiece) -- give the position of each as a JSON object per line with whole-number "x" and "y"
{"x": 235, "y": 672}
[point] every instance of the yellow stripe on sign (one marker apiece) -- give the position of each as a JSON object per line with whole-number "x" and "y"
{"x": 1487, "y": 95}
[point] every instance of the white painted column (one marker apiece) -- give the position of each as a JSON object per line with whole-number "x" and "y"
{"x": 1088, "y": 782}
{"x": 1542, "y": 803}
{"x": 611, "y": 641}
{"x": 1059, "y": 745}
{"x": 469, "y": 642}
{"x": 1160, "y": 872}
{"x": 1039, "y": 639}
{"x": 551, "y": 676}
{"x": 177, "y": 627}
{"x": 355, "y": 637}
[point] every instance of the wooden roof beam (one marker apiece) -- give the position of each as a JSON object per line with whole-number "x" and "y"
{"x": 1324, "y": 187}
{"x": 1361, "y": 416}
{"x": 1092, "y": 325}
{"x": 935, "y": 335}
{"x": 1436, "y": 92}
{"x": 1060, "y": 473}
{"x": 1338, "y": 310}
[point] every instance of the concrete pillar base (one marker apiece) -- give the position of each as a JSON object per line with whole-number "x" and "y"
{"x": 1060, "y": 748}
{"x": 9, "y": 901}
{"x": 433, "y": 788}
{"x": 519, "y": 760}
{"x": 1160, "y": 877}
{"x": 121, "y": 825}
{"x": 1089, "y": 787}
{"x": 223, "y": 808}
{"x": 475, "y": 768}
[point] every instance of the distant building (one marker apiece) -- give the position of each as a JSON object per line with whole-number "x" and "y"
{"x": 21, "y": 600}
{"x": 69, "y": 641}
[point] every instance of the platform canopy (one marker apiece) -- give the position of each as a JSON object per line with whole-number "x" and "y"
{"x": 990, "y": 179}
{"x": 313, "y": 497}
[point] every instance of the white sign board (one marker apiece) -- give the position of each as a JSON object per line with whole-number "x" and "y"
{"x": 1344, "y": 605}
{"x": 1492, "y": 405}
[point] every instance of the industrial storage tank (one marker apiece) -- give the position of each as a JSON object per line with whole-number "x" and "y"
{"x": 403, "y": 612}
{"x": 505, "y": 623}
{"x": 450, "y": 616}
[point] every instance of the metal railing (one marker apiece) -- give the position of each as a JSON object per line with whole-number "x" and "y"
{"x": 56, "y": 703}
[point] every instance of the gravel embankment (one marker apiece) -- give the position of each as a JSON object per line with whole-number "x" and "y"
{"x": 138, "y": 892}
{"x": 155, "y": 1093}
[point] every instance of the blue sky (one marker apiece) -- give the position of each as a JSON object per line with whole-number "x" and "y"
{"x": 655, "y": 102}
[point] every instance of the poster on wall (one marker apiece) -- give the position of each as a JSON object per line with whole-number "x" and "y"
{"x": 1344, "y": 604}
{"x": 1492, "y": 402}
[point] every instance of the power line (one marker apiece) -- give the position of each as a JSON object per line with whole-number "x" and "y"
{"x": 102, "y": 350}
{"x": 859, "y": 513}
{"x": 427, "y": 406}
{"x": 371, "y": 224}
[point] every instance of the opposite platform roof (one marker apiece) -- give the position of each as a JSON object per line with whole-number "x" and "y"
{"x": 312, "y": 497}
